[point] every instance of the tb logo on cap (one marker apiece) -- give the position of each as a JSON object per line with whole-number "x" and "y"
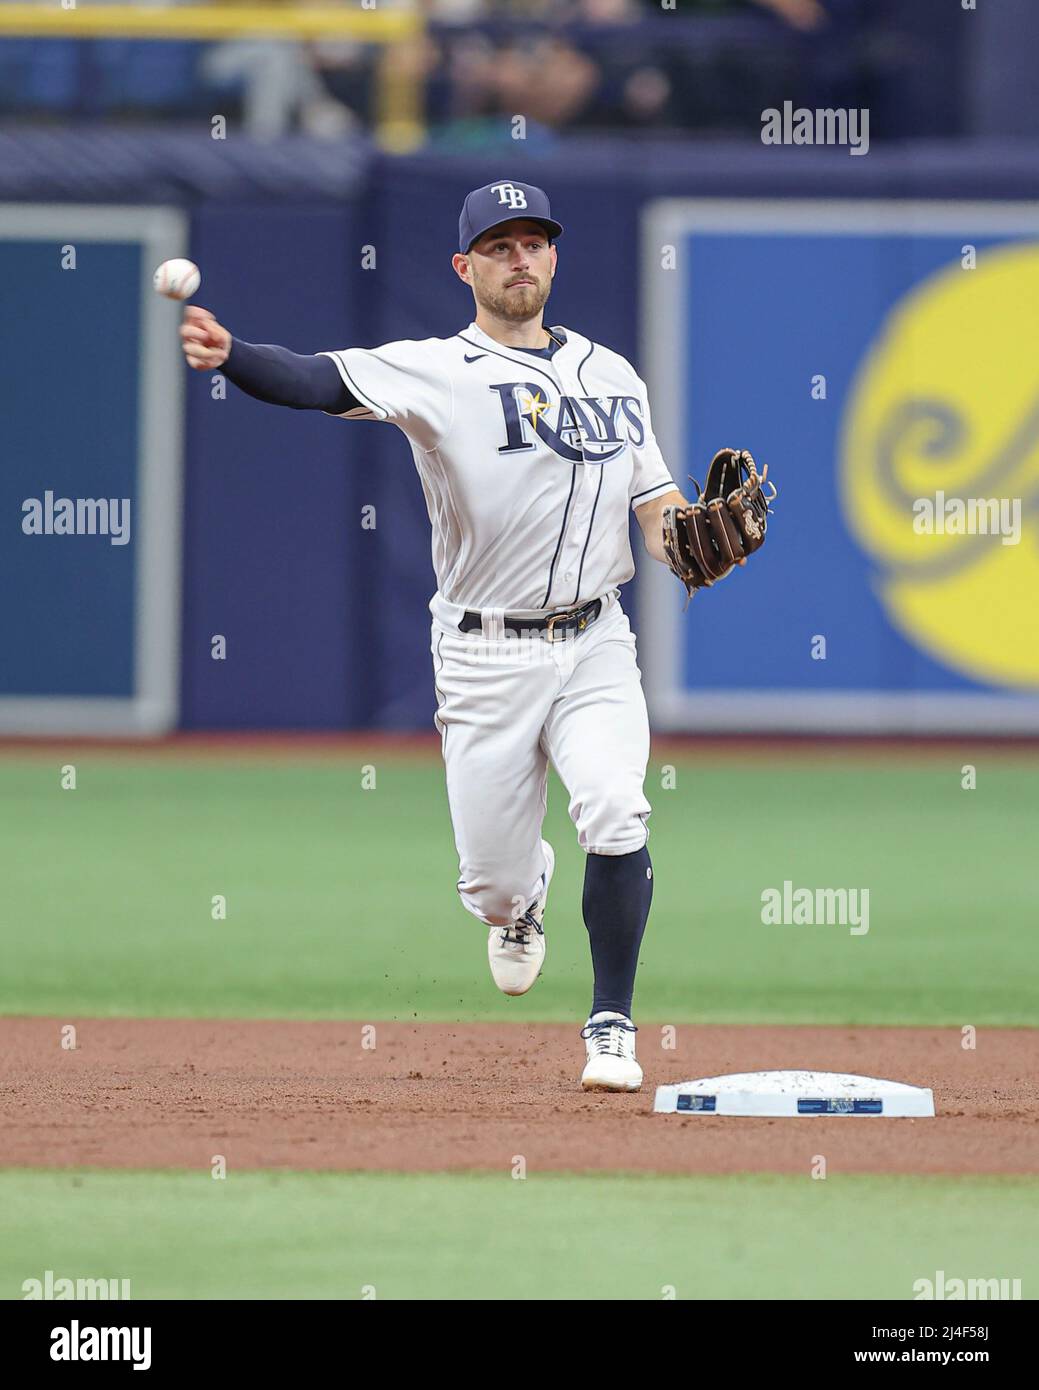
{"x": 509, "y": 195}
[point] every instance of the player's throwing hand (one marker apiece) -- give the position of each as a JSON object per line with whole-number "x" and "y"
{"x": 206, "y": 343}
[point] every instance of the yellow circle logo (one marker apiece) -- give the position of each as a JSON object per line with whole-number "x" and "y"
{"x": 940, "y": 466}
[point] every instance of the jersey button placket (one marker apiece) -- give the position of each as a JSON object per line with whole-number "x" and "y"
{"x": 570, "y": 555}
{"x": 577, "y": 531}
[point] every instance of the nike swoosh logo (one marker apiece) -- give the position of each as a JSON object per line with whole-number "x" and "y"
{"x": 476, "y": 357}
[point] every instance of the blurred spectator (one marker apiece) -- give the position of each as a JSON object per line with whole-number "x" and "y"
{"x": 545, "y": 79}
{"x": 581, "y": 65}
{"x": 799, "y": 14}
{"x": 280, "y": 88}
{"x": 608, "y": 11}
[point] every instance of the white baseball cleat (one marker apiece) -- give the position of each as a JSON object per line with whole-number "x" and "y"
{"x": 516, "y": 952}
{"x": 610, "y": 1041}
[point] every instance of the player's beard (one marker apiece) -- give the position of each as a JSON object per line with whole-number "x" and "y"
{"x": 516, "y": 305}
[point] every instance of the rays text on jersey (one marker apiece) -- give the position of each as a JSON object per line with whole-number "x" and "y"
{"x": 589, "y": 429}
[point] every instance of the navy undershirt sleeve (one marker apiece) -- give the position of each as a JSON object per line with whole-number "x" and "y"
{"x": 280, "y": 377}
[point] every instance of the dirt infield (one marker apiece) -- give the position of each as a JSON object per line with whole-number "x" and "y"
{"x": 173, "y": 1093}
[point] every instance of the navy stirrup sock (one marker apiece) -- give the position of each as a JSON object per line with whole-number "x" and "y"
{"x": 618, "y": 889}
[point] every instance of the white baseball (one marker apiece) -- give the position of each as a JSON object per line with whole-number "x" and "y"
{"x": 177, "y": 279}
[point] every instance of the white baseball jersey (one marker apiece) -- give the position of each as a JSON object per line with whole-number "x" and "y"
{"x": 529, "y": 464}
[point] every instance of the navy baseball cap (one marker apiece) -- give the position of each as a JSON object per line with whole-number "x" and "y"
{"x": 486, "y": 207}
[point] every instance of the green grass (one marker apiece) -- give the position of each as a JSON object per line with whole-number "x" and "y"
{"x": 324, "y": 1235}
{"x": 341, "y": 901}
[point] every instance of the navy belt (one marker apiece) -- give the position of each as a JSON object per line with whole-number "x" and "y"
{"x": 556, "y": 626}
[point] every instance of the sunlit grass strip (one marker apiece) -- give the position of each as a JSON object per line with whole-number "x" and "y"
{"x": 278, "y": 1235}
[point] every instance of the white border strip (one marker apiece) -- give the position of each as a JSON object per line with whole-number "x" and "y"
{"x": 153, "y": 709}
{"x": 667, "y": 221}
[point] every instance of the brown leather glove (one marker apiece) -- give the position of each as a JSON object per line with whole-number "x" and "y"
{"x": 726, "y": 523}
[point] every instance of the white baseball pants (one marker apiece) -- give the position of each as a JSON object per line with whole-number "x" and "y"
{"x": 506, "y": 709}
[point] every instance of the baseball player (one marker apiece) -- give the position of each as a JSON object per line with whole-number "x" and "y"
{"x": 532, "y": 444}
